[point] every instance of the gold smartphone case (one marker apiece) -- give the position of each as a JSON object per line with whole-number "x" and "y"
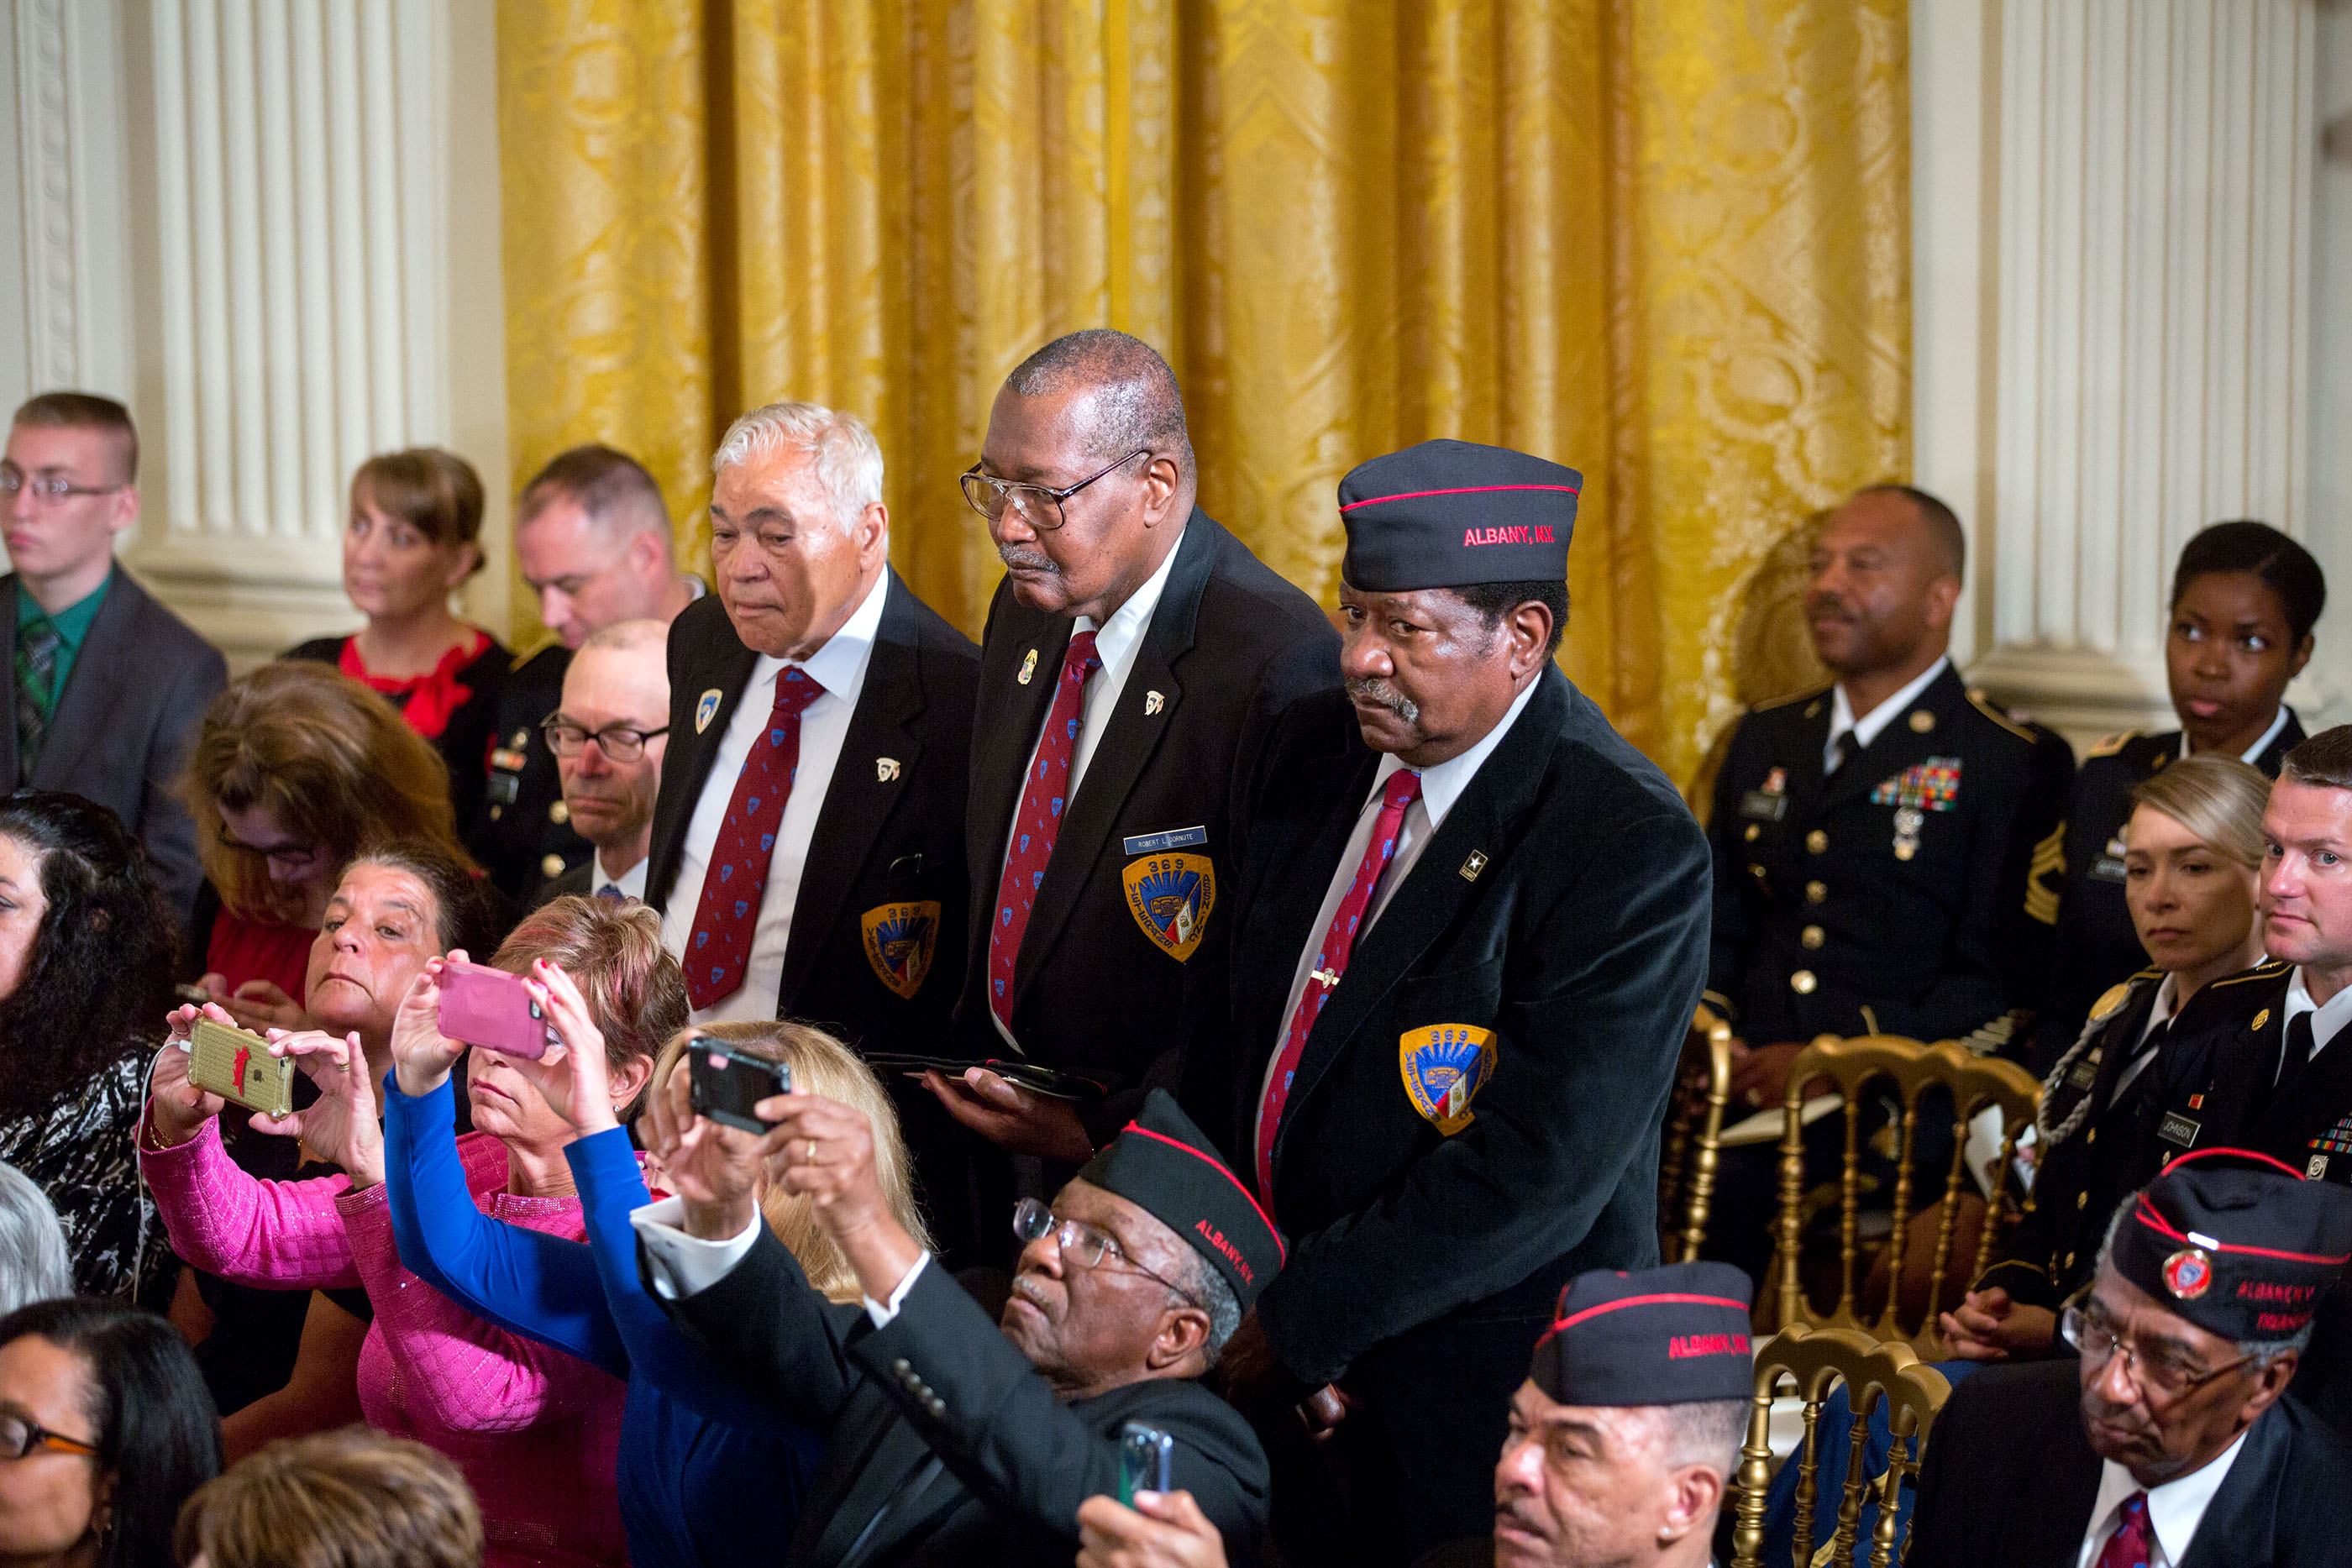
{"x": 237, "y": 1066}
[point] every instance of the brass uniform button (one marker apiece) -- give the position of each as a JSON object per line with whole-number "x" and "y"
{"x": 551, "y": 866}
{"x": 1816, "y": 892}
{"x": 2070, "y": 1259}
{"x": 2082, "y": 1200}
{"x": 521, "y": 738}
{"x": 1811, "y": 936}
{"x": 497, "y": 811}
{"x": 1818, "y": 842}
{"x": 1756, "y": 871}
{"x": 1755, "y": 831}
{"x": 1802, "y": 982}
{"x": 1922, "y": 721}
{"x": 559, "y": 813}
{"x": 2092, "y": 1136}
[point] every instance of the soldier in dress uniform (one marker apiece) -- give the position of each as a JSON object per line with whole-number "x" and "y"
{"x": 593, "y": 539}
{"x": 1874, "y": 843}
{"x": 1476, "y": 927}
{"x": 2168, "y": 1443}
{"x": 2244, "y": 600}
{"x": 2195, "y": 857}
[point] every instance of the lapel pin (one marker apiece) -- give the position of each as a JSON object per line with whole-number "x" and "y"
{"x": 1474, "y": 865}
{"x": 1152, "y": 703}
{"x": 1922, "y": 722}
{"x": 2262, "y": 1017}
{"x": 1028, "y": 667}
{"x": 886, "y": 768}
{"x": 704, "y": 707}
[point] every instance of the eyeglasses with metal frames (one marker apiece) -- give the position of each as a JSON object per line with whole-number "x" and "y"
{"x": 620, "y": 742}
{"x": 1040, "y": 505}
{"x": 1082, "y": 1243}
{"x": 2164, "y": 1380}
{"x": 50, "y": 490}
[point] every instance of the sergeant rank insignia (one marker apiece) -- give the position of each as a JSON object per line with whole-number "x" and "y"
{"x": 1443, "y": 1066}
{"x": 900, "y": 939}
{"x": 1171, "y": 896}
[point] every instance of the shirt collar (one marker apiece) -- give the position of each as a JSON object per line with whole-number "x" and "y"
{"x": 2252, "y": 756}
{"x": 632, "y": 885}
{"x": 2167, "y": 990}
{"x": 2174, "y": 1509}
{"x": 2326, "y": 1022}
{"x": 72, "y": 623}
{"x": 1442, "y": 784}
{"x": 1865, "y": 729}
{"x": 840, "y": 664}
{"x": 1116, "y": 638}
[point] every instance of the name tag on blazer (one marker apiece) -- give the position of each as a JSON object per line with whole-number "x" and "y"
{"x": 2178, "y": 1130}
{"x": 1763, "y": 807}
{"x": 1165, "y": 839}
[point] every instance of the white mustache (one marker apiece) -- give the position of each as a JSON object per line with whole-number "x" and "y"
{"x": 1372, "y": 689}
{"x": 1027, "y": 561}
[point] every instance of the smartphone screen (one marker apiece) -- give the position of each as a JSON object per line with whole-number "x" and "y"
{"x": 726, "y": 1084}
{"x": 1145, "y": 1454}
{"x": 487, "y": 1006}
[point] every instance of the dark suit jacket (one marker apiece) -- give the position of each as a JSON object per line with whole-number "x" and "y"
{"x": 1579, "y": 943}
{"x": 2010, "y": 1479}
{"x": 877, "y": 840}
{"x": 2094, "y": 945}
{"x": 1934, "y": 945}
{"x": 1230, "y": 648}
{"x": 137, "y": 692}
{"x": 515, "y": 832}
{"x": 941, "y": 1381}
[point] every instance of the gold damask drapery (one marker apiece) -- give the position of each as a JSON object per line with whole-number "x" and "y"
{"x": 1661, "y": 241}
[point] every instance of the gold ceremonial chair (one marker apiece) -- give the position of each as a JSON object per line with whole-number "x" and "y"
{"x": 1686, "y": 1166}
{"x": 1818, "y": 1360}
{"x": 1974, "y": 1083}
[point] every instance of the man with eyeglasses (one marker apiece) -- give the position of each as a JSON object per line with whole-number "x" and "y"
{"x": 1136, "y": 656}
{"x": 2167, "y": 1444}
{"x": 607, "y": 739}
{"x": 593, "y": 541}
{"x": 952, "y": 1440}
{"x": 109, "y": 686}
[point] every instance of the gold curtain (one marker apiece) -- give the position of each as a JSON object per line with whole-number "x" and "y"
{"x": 1661, "y": 241}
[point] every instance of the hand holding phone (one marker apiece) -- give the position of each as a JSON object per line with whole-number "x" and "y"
{"x": 489, "y": 1008}
{"x": 727, "y": 1083}
{"x": 236, "y": 1065}
{"x": 1145, "y": 1455}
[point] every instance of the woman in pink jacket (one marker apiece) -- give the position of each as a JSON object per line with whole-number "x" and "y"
{"x": 535, "y": 1430}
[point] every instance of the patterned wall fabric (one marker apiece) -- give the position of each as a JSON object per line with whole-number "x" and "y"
{"x": 1663, "y": 241}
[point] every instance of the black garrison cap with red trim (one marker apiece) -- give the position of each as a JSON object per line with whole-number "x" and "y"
{"x": 1676, "y": 1335}
{"x": 2236, "y": 1243}
{"x": 1163, "y": 1165}
{"x": 1445, "y": 514}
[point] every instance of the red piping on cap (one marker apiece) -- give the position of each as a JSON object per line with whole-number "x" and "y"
{"x": 2180, "y": 1160}
{"x": 2146, "y": 1214}
{"x": 1281, "y": 1253}
{"x": 1464, "y": 490}
{"x": 1659, "y": 1301}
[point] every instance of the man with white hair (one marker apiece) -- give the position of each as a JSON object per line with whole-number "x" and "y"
{"x": 608, "y": 739}
{"x": 808, "y": 839}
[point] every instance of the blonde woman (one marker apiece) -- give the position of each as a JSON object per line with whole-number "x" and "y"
{"x": 707, "y": 1475}
{"x": 2193, "y": 852}
{"x": 347, "y": 1499}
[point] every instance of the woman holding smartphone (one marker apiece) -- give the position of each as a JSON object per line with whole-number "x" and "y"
{"x": 707, "y": 1475}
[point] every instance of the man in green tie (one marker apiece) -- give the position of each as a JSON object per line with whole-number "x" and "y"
{"x": 108, "y": 684}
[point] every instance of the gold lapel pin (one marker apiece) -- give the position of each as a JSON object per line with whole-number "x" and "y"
{"x": 1474, "y": 865}
{"x": 1028, "y": 667}
{"x": 886, "y": 768}
{"x": 1152, "y": 703}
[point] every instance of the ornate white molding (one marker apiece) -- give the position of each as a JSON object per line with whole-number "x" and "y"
{"x": 55, "y": 312}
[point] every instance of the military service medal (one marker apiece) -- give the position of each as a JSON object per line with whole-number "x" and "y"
{"x": 900, "y": 939}
{"x": 1922, "y": 788}
{"x": 1444, "y": 1065}
{"x": 1171, "y": 896}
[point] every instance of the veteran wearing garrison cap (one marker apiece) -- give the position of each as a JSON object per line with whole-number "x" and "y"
{"x": 1475, "y": 925}
{"x": 2167, "y": 1444}
{"x": 953, "y": 1440}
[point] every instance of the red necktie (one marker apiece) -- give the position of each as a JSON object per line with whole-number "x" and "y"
{"x": 1330, "y": 963}
{"x": 729, "y": 906}
{"x": 2128, "y": 1547}
{"x": 1043, "y": 795}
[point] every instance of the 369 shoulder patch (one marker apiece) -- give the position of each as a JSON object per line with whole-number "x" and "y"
{"x": 1171, "y": 896}
{"x": 1444, "y": 1065}
{"x": 900, "y": 942}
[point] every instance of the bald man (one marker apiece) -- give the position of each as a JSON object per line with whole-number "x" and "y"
{"x": 1136, "y": 655}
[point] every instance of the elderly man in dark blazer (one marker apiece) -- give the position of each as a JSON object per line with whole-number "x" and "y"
{"x": 1476, "y": 920}
{"x": 1135, "y": 657}
{"x": 109, "y": 686}
{"x": 2168, "y": 1441}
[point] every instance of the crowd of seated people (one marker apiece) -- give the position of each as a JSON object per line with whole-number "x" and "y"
{"x": 1168, "y": 1084}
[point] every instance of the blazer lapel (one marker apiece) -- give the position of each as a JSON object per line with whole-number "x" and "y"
{"x": 1432, "y": 892}
{"x": 686, "y": 765}
{"x": 2053, "y": 1530}
{"x": 859, "y": 801}
{"x": 2240, "y": 1526}
{"x": 869, "y": 1458}
{"x": 101, "y": 670}
{"x": 1008, "y": 716}
{"x": 1124, "y": 749}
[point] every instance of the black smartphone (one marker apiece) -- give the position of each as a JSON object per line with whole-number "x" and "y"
{"x": 727, "y": 1083}
{"x": 1144, "y": 1455}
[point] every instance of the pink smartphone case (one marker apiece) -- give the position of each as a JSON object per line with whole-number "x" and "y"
{"x": 487, "y": 1006}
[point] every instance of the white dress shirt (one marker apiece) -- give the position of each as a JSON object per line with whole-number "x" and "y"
{"x": 631, "y": 884}
{"x": 2326, "y": 1022}
{"x": 1865, "y": 729}
{"x": 2278, "y": 722}
{"x": 1440, "y": 787}
{"x": 682, "y": 1265}
{"x": 2174, "y": 1509}
{"x": 840, "y": 668}
{"x": 1117, "y": 642}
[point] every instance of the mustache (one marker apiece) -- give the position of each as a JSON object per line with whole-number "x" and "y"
{"x": 1372, "y": 689}
{"x": 1027, "y": 559}
{"x": 1819, "y": 605}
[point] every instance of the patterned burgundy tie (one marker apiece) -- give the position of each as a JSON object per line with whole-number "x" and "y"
{"x": 2128, "y": 1546}
{"x": 728, "y": 909}
{"x": 1043, "y": 795}
{"x": 1330, "y": 963}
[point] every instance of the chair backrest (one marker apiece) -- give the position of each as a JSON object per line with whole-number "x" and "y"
{"x": 1818, "y": 1360}
{"x": 1974, "y": 1083}
{"x": 1688, "y": 1161}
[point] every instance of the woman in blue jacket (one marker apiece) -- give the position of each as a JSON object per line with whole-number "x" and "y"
{"x": 706, "y": 1473}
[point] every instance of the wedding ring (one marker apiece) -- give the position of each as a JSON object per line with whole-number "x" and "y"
{"x": 811, "y": 1151}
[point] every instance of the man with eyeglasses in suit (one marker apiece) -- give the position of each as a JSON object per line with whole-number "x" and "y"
{"x": 608, "y": 739}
